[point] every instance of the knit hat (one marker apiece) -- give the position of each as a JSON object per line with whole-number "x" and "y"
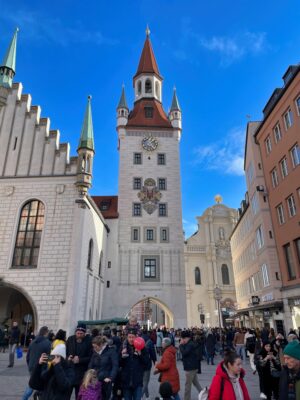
{"x": 59, "y": 350}
{"x": 292, "y": 350}
{"x": 81, "y": 328}
{"x": 165, "y": 390}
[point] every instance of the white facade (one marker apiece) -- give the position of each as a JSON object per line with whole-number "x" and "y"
{"x": 60, "y": 290}
{"x": 207, "y": 252}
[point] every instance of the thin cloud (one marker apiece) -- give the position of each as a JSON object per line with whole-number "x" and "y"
{"x": 37, "y": 27}
{"x": 226, "y": 156}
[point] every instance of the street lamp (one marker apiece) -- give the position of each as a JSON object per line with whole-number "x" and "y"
{"x": 202, "y": 315}
{"x": 218, "y": 297}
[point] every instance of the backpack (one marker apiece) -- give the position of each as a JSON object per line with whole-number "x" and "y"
{"x": 203, "y": 395}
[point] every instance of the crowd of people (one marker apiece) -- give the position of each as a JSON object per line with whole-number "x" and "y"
{"x": 117, "y": 364}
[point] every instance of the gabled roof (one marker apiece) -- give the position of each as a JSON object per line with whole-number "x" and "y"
{"x": 137, "y": 117}
{"x": 108, "y": 205}
{"x": 147, "y": 62}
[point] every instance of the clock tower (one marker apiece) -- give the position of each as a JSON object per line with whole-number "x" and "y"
{"x": 150, "y": 265}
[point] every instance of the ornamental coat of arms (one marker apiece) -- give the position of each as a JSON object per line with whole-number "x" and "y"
{"x": 149, "y": 195}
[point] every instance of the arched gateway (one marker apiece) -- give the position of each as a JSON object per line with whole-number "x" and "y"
{"x": 16, "y": 305}
{"x": 152, "y": 312}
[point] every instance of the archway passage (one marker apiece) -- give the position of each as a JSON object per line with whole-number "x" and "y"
{"x": 152, "y": 312}
{"x": 15, "y": 306}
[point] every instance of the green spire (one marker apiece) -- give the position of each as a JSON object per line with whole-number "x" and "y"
{"x": 8, "y": 66}
{"x": 175, "y": 104}
{"x": 123, "y": 102}
{"x": 87, "y": 135}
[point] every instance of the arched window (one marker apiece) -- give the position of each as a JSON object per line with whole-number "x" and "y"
{"x": 148, "y": 86}
{"x": 139, "y": 85}
{"x": 90, "y": 254}
{"x": 29, "y": 234}
{"x": 157, "y": 90}
{"x": 100, "y": 263}
{"x": 197, "y": 276}
{"x": 221, "y": 233}
{"x": 225, "y": 274}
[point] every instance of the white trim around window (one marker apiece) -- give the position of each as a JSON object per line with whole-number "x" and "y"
{"x": 295, "y": 155}
{"x": 284, "y": 168}
{"x": 277, "y": 133}
{"x": 297, "y": 102}
{"x": 288, "y": 119}
{"x": 291, "y": 205}
{"x": 280, "y": 214}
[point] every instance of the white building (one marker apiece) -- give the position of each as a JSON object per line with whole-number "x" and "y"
{"x": 52, "y": 235}
{"x": 208, "y": 265}
{"x": 147, "y": 264}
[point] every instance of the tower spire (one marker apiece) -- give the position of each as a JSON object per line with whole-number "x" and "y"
{"x": 87, "y": 134}
{"x": 123, "y": 102}
{"x": 175, "y": 103}
{"x": 8, "y": 66}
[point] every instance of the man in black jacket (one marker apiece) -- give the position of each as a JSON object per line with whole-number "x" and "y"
{"x": 289, "y": 384}
{"x": 14, "y": 340}
{"x": 134, "y": 363}
{"x": 79, "y": 352}
{"x": 41, "y": 344}
{"x": 190, "y": 359}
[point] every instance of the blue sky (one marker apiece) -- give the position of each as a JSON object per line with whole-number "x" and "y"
{"x": 225, "y": 59}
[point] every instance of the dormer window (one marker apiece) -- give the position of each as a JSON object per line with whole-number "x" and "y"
{"x": 104, "y": 205}
{"x": 148, "y": 112}
{"x": 148, "y": 86}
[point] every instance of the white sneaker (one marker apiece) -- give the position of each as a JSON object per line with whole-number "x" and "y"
{"x": 262, "y": 396}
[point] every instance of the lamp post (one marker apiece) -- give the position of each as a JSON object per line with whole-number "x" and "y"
{"x": 218, "y": 297}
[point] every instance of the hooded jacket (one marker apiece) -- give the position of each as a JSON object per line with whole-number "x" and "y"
{"x": 40, "y": 345}
{"x": 168, "y": 369}
{"x": 228, "y": 391}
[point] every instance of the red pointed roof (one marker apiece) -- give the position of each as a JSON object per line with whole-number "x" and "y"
{"x": 147, "y": 62}
{"x": 137, "y": 117}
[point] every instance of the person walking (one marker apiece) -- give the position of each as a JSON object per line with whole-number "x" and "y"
{"x": 41, "y": 344}
{"x": 159, "y": 338}
{"x": 90, "y": 388}
{"x": 133, "y": 364}
{"x": 167, "y": 367}
{"x": 79, "y": 351}
{"x": 239, "y": 344}
{"x": 269, "y": 371}
{"x": 14, "y": 341}
{"x": 228, "y": 382}
{"x": 106, "y": 363}
{"x": 190, "y": 361}
{"x": 250, "y": 341}
{"x": 210, "y": 346}
{"x": 289, "y": 384}
{"x": 54, "y": 381}
{"x": 152, "y": 353}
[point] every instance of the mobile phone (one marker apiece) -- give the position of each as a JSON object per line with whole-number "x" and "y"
{"x": 50, "y": 357}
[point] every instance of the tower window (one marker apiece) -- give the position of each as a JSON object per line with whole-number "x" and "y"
{"x": 148, "y": 86}
{"x": 161, "y": 159}
{"x": 148, "y": 112}
{"x": 162, "y": 184}
{"x": 149, "y": 234}
{"x": 137, "y": 183}
{"x": 164, "y": 234}
{"x": 137, "y": 158}
{"x": 225, "y": 275}
{"x": 135, "y": 234}
{"x": 100, "y": 264}
{"x": 150, "y": 268}
{"x": 157, "y": 91}
{"x": 90, "y": 254}
{"x": 162, "y": 210}
{"x": 139, "y": 87}
{"x": 137, "y": 209}
{"x": 197, "y": 276}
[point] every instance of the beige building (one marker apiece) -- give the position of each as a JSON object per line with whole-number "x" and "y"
{"x": 208, "y": 265}
{"x": 254, "y": 255}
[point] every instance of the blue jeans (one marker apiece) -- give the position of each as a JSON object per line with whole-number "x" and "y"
{"x": 28, "y": 392}
{"x": 176, "y": 396}
{"x": 241, "y": 351}
{"x": 211, "y": 358}
{"x": 133, "y": 394}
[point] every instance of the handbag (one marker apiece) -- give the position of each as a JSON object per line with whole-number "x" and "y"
{"x": 19, "y": 352}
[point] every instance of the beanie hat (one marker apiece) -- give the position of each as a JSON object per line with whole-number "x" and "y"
{"x": 81, "y": 328}
{"x": 293, "y": 350}
{"x": 165, "y": 390}
{"x": 59, "y": 350}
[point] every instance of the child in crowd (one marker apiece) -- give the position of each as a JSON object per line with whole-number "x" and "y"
{"x": 90, "y": 388}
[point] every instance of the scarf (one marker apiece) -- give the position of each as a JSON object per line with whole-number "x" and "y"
{"x": 235, "y": 381}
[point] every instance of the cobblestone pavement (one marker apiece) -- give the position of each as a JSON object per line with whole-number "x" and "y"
{"x": 13, "y": 380}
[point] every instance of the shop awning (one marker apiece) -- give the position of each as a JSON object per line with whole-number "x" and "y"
{"x": 275, "y": 304}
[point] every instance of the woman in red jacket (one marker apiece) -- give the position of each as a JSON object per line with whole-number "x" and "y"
{"x": 167, "y": 367}
{"x": 228, "y": 383}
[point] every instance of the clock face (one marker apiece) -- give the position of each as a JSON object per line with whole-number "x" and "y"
{"x": 149, "y": 143}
